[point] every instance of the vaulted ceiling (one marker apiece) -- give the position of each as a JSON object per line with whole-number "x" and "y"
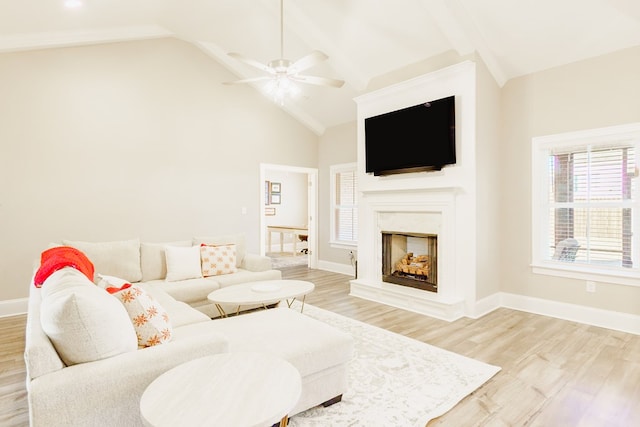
{"x": 364, "y": 39}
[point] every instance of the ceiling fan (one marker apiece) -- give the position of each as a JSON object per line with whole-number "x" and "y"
{"x": 282, "y": 72}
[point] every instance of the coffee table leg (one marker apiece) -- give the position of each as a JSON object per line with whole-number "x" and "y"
{"x": 290, "y": 303}
{"x": 221, "y": 310}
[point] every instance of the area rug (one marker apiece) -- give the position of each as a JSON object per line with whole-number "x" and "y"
{"x": 394, "y": 380}
{"x": 286, "y": 259}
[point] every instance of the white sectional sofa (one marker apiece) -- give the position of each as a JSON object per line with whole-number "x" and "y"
{"x": 140, "y": 262}
{"x": 105, "y": 389}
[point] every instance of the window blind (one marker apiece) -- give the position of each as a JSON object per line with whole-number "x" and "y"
{"x": 592, "y": 202}
{"x": 346, "y": 212}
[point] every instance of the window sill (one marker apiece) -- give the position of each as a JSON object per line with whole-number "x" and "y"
{"x": 343, "y": 245}
{"x": 631, "y": 278}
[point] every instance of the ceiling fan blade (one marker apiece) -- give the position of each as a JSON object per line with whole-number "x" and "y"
{"x": 252, "y": 80}
{"x": 308, "y": 61}
{"x": 319, "y": 81}
{"x": 252, "y": 62}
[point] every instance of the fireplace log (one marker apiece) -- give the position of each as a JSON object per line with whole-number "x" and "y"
{"x": 416, "y": 265}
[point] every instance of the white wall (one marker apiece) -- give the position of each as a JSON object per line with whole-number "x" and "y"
{"x": 126, "y": 140}
{"x": 595, "y": 93}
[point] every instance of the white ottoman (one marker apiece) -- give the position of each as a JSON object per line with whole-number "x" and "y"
{"x": 320, "y": 352}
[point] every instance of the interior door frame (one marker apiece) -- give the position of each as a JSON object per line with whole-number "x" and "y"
{"x": 312, "y": 207}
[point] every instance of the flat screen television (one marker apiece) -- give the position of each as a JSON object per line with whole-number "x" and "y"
{"x": 414, "y": 139}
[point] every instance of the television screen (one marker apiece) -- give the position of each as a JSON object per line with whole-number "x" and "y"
{"x": 413, "y": 139}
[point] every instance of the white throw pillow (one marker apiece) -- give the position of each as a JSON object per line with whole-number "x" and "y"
{"x": 183, "y": 263}
{"x": 105, "y": 281}
{"x": 120, "y": 258}
{"x": 154, "y": 261}
{"x": 84, "y": 322}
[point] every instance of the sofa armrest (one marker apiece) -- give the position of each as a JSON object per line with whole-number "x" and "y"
{"x": 252, "y": 262}
{"x": 108, "y": 391}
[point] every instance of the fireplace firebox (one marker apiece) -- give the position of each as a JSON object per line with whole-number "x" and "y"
{"x": 410, "y": 259}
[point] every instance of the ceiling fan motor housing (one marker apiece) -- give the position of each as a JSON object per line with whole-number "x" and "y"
{"x": 280, "y": 65}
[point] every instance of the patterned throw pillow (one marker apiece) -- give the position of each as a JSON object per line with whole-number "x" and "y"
{"x": 149, "y": 319}
{"x": 217, "y": 260}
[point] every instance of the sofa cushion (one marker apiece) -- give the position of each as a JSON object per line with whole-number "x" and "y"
{"x": 149, "y": 318}
{"x": 118, "y": 258}
{"x": 234, "y": 239}
{"x": 183, "y": 263}
{"x": 244, "y": 276}
{"x": 153, "y": 260}
{"x": 218, "y": 260}
{"x": 189, "y": 291}
{"x": 179, "y": 312}
{"x": 83, "y": 321}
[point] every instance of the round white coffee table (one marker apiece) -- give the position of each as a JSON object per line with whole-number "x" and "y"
{"x": 228, "y": 389}
{"x": 262, "y": 292}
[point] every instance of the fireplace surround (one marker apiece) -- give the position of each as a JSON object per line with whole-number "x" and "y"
{"x": 441, "y": 203}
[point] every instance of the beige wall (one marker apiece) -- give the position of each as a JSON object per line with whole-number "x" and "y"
{"x": 126, "y": 140}
{"x": 488, "y": 120}
{"x": 600, "y": 92}
{"x": 337, "y": 145}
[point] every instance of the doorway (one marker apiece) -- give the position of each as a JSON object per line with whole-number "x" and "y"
{"x": 288, "y": 223}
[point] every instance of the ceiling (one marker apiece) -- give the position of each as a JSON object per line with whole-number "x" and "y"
{"x": 364, "y": 39}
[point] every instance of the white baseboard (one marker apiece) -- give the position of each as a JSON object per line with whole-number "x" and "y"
{"x": 335, "y": 267}
{"x": 13, "y": 307}
{"x": 623, "y": 322}
{"x": 485, "y": 306}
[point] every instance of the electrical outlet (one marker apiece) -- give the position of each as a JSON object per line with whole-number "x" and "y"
{"x": 591, "y": 286}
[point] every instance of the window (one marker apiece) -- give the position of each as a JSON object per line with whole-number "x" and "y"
{"x": 585, "y": 207}
{"x": 344, "y": 210}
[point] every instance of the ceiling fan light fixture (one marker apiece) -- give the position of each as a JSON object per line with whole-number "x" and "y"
{"x": 283, "y": 74}
{"x": 73, "y": 4}
{"x": 281, "y": 87}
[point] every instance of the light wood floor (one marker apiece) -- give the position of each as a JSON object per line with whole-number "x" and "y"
{"x": 554, "y": 372}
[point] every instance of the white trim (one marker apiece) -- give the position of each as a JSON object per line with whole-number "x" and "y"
{"x": 335, "y": 267}
{"x": 20, "y": 42}
{"x": 343, "y": 245}
{"x": 582, "y": 272}
{"x": 13, "y": 307}
{"x": 624, "y": 322}
{"x": 312, "y": 207}
{"x": 540, "y": 214}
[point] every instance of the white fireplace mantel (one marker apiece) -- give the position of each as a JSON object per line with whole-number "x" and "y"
{"x": 415, "y": 200}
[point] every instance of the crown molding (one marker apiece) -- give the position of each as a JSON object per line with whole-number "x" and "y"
{"x": 48, "y": 40}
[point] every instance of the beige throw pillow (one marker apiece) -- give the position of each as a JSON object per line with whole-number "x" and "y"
{"x": 217, "y": 260}
{"x": 233, "y": 239}
{"x": 119, "y": 258}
